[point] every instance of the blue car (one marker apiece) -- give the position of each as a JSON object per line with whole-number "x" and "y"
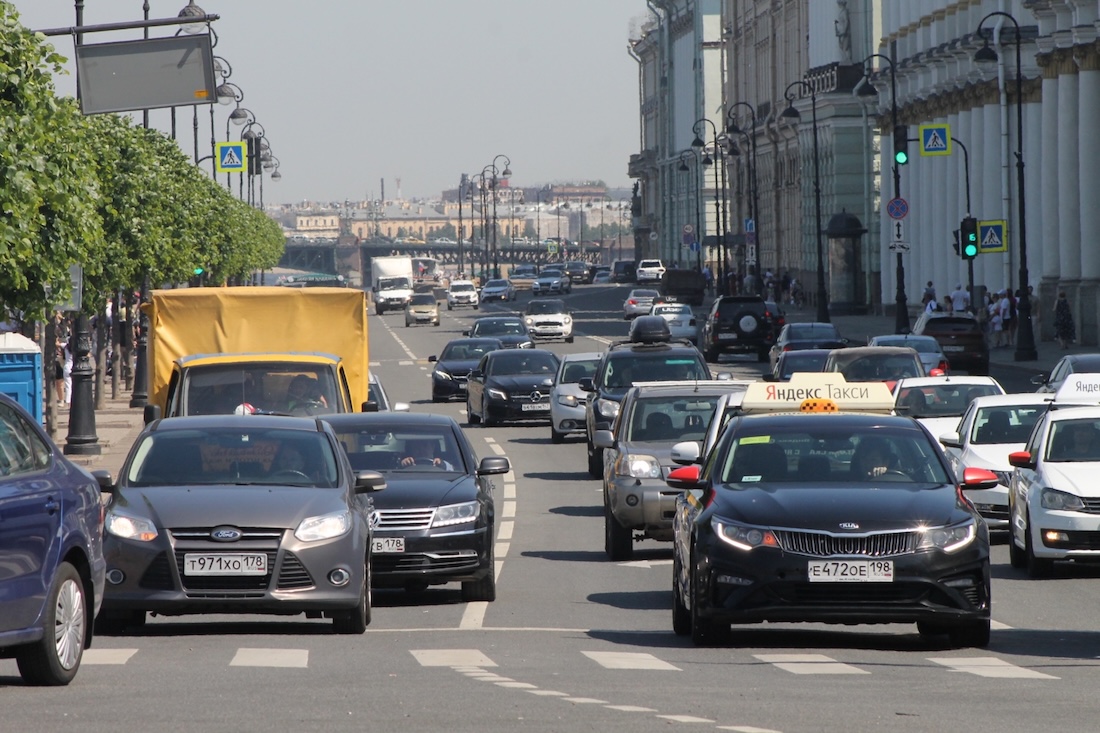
{"x": 51, "y": 552}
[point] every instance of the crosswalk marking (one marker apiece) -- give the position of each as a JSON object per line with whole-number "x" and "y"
{"x": 631, "y": 709}
{"x": 107, "y": 656}
{"x": 548, "y": 693}
{"x": 585, "y": 700}
{"x": 246, "y": 657}
{"x": 809, "y": 664}
{"x": 629, "y": 660}
{"x": 452, "y": 658}
{"x": 685, "y": 719}
{"x": 747, "y": 729}
{"x": 990, "y": 667}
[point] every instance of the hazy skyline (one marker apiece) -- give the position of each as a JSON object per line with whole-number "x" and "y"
{"x": 417, "y": 90}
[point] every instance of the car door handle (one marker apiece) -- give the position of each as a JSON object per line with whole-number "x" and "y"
{"x": 52, "y": 505}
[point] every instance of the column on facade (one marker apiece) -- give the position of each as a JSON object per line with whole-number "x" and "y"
{"x": 991, "y": 266}
{"x": 1049, "y": 239}
{"x": 949, "y": 170}
{"x": 886, "y": 257}
{"x": 1089, "y": 183}
{"x": 1033, "y": 144}
{"x": 1069, "y": 205}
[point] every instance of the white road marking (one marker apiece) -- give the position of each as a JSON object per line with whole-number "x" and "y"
{"x": 405, "y": 363}
{"x": 585, "y": 700}
{"x": 644, "y": 563}
{"x": 509, "y": 491}
{"x": 685, "y": 719}
{"x": 508, "y": 511}
{"x": 257, "y": 657}
{"x": 490, "y": 440}
{"x": 628, "y": 660}
{"x": 505, "y": 532}
{"x": 474, "y": 615}
{"x": 548, "y": 693}
{"x": 747, "y": 729}
{"x": 107, "y": 656}
{"x": 517, "y": 685}
{"x": 500, "y": 549}
{"x": 496, "y": 448}
{"x": 998, "y": 625}
{"x": 451, "y": 658}
{"x": 809, "y": 664}
{"x": 990, "y": 667}
{"x": 630, "y": 708}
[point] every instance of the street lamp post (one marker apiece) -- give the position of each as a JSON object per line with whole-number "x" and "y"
{"x": 792, "y": 113}
{"x": 754, "y": 202}
{"x": 463, "y": 181}
{"x": 506, "y": 173}
{"x": 901, "y": 307}
{"x": 695, "y": 185}
{"x": 719, "y": 197}
{"x": 1025, "y": 338}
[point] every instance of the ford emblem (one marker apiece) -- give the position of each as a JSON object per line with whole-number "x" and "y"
{"x": 225, "y": 534}
{"x": 849, "y": 525}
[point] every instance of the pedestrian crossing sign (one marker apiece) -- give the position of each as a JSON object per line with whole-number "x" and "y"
{"x": 230, "y": 157}
{"x": 992, "y": 236}
{"x": 935, "y": 139}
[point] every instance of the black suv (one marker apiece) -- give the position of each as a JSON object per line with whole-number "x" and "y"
{"x": 739, "y": 323}
{"x": 578, "y": 272}
{"x": 642, "y": 359}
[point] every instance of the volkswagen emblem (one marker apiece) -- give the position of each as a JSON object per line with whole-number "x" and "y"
{"x": 225, "y": 534}
{"x": 536, "y": 396}
{"x": 849, "y": 525}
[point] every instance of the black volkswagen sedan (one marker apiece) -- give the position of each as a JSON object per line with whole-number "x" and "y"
{"x": 238, "y": 514}
{"x": 434, "y": 522}
{"x": 801, "y": 336}
{"x": 511, "y": 385}
{"x": 511, "y": 331}
{"x": 829, "y": 518}
{"x": 456, "y": 360}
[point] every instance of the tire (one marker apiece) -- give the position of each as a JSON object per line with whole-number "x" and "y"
{"x": 681, "y": 615}
{"x": 972, "y": 634}
{"x": 711, "y": 355}
{"x": 555, "y": 437}
{"x": 618, "y": 542}
{"x": 379, "y": 310}
{"x": 449, "y": 307}
{"x": 475, "y": 306}
{"x": 407, "y": 324}
{"x": 438, "y": 399}
{"x": 486, "y": 421}
{"x": 705, "y": 631}
{"x": 1036, "y": 567}
{"x": 484, "y": 589}
{"x": 1016, "y": 556}
{"x": 55, "y": 658}
{"x": 357, "y": 619}
{"x": 595, "y": 461}
{"x": 471, "y": 418}
{"x": 568, "y": 339}
{"x": 762, "y": 356}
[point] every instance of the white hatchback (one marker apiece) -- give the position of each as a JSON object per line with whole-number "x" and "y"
{"x": 462, "y": 294}
{"x": 939, "y": 402}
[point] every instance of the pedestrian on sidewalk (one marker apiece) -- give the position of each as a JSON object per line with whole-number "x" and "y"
{"x": 929, "y": 294}
{"x": 1008, "y": 316}
{"x": 1063, "y": 321}
{"x": 960, "y": 299}
{"x": 995, "y": 323}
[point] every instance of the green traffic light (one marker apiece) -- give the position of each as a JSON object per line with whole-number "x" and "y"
{"x": 199, "y": 270}
{"x": 901, "y": 157}
{"x": 971, "y": 249}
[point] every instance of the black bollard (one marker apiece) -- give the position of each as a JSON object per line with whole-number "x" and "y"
{"x": 140, "y": 395}
{"x": 82, "y": 439}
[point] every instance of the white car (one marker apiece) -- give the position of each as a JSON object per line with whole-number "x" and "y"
{"x": 567, "y": 399}
{"x": 549, "y": 319}
{"x": 927, "y": 348}
{"x": 680, "y": 319}
{"x": 649, "y": 271}
{"x": 990, "y": 429}
{"x": 462, "y": 294}
{"x": 552, "y": 281}
{"x": 1054, "y": 497}
{"x": 939, "y": 402}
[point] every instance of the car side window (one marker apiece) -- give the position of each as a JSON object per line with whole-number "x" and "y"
{"x": 1060, "y": 372}
{"x": 1035, "y": 441}
{"x": 21, "y": 449}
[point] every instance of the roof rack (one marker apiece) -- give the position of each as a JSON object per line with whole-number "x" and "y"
{"x": 643, "y": 344}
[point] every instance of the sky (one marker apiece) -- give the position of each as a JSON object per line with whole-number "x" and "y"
{"x": 351, "y": 92}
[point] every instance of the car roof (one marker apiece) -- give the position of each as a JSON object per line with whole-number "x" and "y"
{"x": 837, "y": 421}
{"x": 351, "y": 419}
{"x": 903, "y": 337}
{"x": 1083, "y": 359}
{"x": 203, "y": 422}
{"x": 461, "y": 282}
{"x": 709, "y": 387}
{"x": 1075, "y": 412}
{"x": 488, "y": 319}
{"x": 807, "y": 353}
{"x": 499, "y": 353}
{"x": 1018, "y": 398}
{"x": 583, "y": 356}
{"x": 946, "y": 379}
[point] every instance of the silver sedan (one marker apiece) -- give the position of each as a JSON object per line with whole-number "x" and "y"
{"x": 680, "y": 319}
{"x": 638, "y": 303}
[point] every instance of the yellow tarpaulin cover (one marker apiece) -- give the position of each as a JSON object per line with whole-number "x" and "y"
{"x": 257, "y": 320}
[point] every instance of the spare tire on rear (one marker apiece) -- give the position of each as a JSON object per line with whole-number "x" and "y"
{"x": 747, "y": 323}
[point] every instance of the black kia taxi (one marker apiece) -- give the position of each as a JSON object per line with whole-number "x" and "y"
{"x": 818, "y": 505}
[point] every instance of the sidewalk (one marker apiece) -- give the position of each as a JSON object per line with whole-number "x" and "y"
{"x": 116, "y": 426}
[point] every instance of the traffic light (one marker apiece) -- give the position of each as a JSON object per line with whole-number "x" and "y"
{"x": 254, "y": 163}
{"x": 199, "y": 270}
{"x": 958, "y": 239}
{"x": 969, "y": 233}
{"x": 901, "y": 144}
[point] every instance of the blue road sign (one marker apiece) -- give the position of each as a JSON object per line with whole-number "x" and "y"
{"x": 992, "y": 236}
{"x": 695, "y": 246}
{"x": 935, "y": 139}
{"x": 230, "y": 157}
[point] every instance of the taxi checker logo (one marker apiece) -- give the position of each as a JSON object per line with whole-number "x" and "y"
{"x": 225, "y": 534}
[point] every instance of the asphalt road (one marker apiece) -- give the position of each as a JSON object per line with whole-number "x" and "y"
{"x": 574, "y": 641}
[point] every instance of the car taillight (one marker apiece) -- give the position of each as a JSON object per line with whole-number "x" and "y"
{"x": 943, "y": 365}
{"x": 632, "y": 302}
{"x": 691, "y": 322}
{"x": 787, "y": 347}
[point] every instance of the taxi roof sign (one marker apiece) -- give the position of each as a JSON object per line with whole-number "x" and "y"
{"x": 1079, "y": 389}
{"x": 818, "y": 392}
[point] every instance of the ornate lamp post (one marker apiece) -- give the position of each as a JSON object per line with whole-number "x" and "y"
{"x": 695, "y": 185}
{"x": 733, "y": 128}
{"x": 792, "y": 113}
{"x": 497, "y": 175}
{"x": 719, "y": 196}
{"x": 1025, "y": 338}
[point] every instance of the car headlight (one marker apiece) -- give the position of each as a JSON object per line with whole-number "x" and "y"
{"x": 130, "y": 527}
{"x": 442, "y": 375}
{"x": 948, "y": 539}
{"x": 568, "y": 400}
{"x": 637, "y": 466}
{"x": 741, "y": 536}
{"x": 607, "y": 408}
{"x": 497, "y": 394}
{"x": 529, "y": 321}
{"x": 456, "y": 514}
{"x": 567, "y": 320}
{"x": 1060, "y": 500}
{"x": 324, "y": 527}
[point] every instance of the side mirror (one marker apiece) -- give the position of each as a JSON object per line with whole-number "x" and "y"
{"x": 769, "y": 378}
{"x": 1021, "y": 459}
{"x": 151, "y": 413}
{"x": 367, "y": 482}
{"x": 685, "y": 453}
{"x": 491, "y": 465}
{"x": 400, "y": 407}
{"x": 432, "y": 359}
{"x": 950, "y": 440}
{"x": 603, "y": 439}
{"x": 105, "y": 480}
{"x": 370, "y": 406}
{"x": 585, "y": 383}
{"x": 724, "y": 377}
{"x": 475, "y": 374}
{"x": 465, "y": 333}
{"x": 686, "y": 477}
{"x": 1040, "y": 379}
{"x": 979, "y": 478}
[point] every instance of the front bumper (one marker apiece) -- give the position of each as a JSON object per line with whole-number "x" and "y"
{"x": 551, "y": 330}
{"x": 773, "y": 585}
{"x": 642, "y": 503}
{"x": 422, "y": 318}
{"x": 445, "y": 556}
{"x": 518, "y": 408}
{"x": 567, "y": 419}
{"x": 447, "y": 388}
{"x": 461, "y": 301}
{"x": 1078, "y": 534}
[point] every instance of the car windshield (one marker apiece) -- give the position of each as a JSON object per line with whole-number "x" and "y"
{"x": 952, "y": 324}
{"x": 636, "y": 294}
{"x": 424, "y": 299}
{"x": 649, "y": 263}
{"x": 498, "y": 328}
{"x": 523, "y": 361}
{"x": 623, "y": 371}
{"x": 470, "y": 351}
{"x": 297, "y": 389}
{"x": 941, "y": 400}
{"x": 867, "y": 456}
{"x": 233, "y": 456}
{"x": 670, "y": 419}
{"x": 545, "y": 306}
{"x": 1008, "y": 424}
{"x": 462, "y": 288}
{"x": 881, "y": 368}
{"x": 921, "y": 346}
{"x": 576, "y": 369}
{"x": 497, "y": 284}
{"x": 801, "y": 361}
{"x": 813, "y": 331}
{"x": 1074, "y": 441}
{"x": 550, "y": 273}
{"x": 380, "y": 446}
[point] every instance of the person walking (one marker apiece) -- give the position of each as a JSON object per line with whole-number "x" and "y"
{"x": 960, "y": 299}
{"x": 1008, "y": 316}
{"x": 1063, "y": 321}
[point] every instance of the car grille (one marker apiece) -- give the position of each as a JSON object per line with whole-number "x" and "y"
{"x": 158, "y": 576}
{"x": 216, "y": 586}
{"x": 848, "y": 594}
{"x": 293, "y": 575}
{"x": 247, "y": 533}
{"x": 253, "y": 539}
{"x": 1092, "y": 506}
{"x": 404, "y": 520}
{"x": 824, "y": 544}
{"x": 412, "y": 562}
